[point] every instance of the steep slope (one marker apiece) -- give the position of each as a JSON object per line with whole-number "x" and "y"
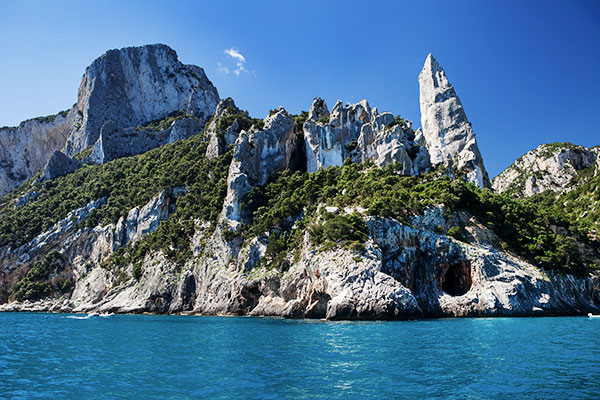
{"x": 135, "y": 85}
{"x": 328, "y": 214}
{"x": 448, "y": 134}
{"x": 124, "y": 88}
{"x": 351, "y": 242}
{"x": 550, "y": 166}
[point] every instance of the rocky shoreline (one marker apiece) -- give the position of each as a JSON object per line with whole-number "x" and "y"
{"x": 429, "y": 261}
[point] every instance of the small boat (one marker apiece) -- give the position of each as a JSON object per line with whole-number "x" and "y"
{"x": 590, "y": 315}
{"x": 106, "y": 315}
{"x": 83, "y": 317}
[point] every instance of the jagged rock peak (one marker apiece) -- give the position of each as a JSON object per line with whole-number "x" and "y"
{"x": 257, "y": 155}
{"x": 219, "y": 138}
{"x": 134, "y": 85}
{"x": 548, "y": 167}
{"x": 318, "y": 109}
{"x": 448, "y": 134}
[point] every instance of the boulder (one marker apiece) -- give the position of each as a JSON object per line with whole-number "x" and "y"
{"x": 59, "y": 165}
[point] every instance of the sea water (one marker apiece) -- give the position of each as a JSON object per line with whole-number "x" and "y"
{"x": 177, "y": 357}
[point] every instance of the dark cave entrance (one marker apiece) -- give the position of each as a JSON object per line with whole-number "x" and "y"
{"x": 457, "y": 279}
{"x": 298, "y": 156}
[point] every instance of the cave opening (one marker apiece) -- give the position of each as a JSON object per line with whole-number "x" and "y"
{"x": 298, "y": 156}
{"x": 457, "y": 280}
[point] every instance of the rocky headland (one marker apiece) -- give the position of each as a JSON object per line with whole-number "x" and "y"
{"x": 155, "y": 195}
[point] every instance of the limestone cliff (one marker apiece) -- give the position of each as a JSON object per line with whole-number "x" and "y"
{"x": 359, "y": 132}
{"x": 25, "y": 149}
{"x": 448, "y": 134}
{"x": 135, "y": 85}
{"x": 548, "y": 167}
{"x": 215, "y": 238}
{"x": 403, "y": 272}
{"x": 125, "y": 88}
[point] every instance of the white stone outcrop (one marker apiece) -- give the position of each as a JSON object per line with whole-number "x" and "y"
{"x": 25, "y": 149}
{"x": 258, "y": 154}
{"x": 358, "y": 132}
{"x": 219, "y": 142}
{"x": 547, "y": 167}
{"x": 85, "y": 248}
{"x": 448, "y": 134}
{"x": 404, "y": 272}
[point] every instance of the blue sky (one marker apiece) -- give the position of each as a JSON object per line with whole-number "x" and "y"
{"x": 526, "y": 71}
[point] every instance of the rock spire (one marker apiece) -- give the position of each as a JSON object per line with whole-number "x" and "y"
{"x": 448, "y": 134}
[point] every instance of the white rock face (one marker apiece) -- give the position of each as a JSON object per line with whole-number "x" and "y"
{"x": 257, "y": 156}
{"x": 358, "y": 132}
{"x": 25, "y": 149}
{"x": 87, "y": 247}
{"x": 135, "y": 85}
{"x": 448, "y": 134}
{"x": 327, "y": 143}
{"x": 404, "y": 272}
{"x": 218, "y": 142}
{"x": 547, "y": 167}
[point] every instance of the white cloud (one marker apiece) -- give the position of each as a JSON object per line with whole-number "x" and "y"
{"x": 240, "y": 61}
{"x": 236, "y": 54}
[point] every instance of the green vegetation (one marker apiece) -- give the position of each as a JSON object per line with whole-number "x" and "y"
{"x": 579, "y": 208}
{"x": 299, "y": 120}
{"x": 162, "y": 124}
{"x": 319, "y": 102}
{"x": 351, "y": 146}
{"x": 43, "y": 120}
{"x": 324, "y": 120}
{"x": 339, "y": 230}
{"x": 84, "y": 153}
{"x": 35, "y": 284}
{"x": 542, "y": 229}
{"x": 288, "y": 205}
{"x": 398, "y": 120}
{"x": 126, "y": 183}
{"x": 548, "y": 150}
{"x": 244, "y": 121}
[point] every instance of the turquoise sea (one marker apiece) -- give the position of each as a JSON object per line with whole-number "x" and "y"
{"x": 178, "y": 357}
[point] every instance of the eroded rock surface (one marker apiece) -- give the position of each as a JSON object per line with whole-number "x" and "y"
{"x": 448, "y": 134}
{"x": 59, "y": 165}
{"x": 84, "y": 248}
{"x": 547, "y": 167}
{"x": 220, "y": 140}
{"x": 358, "y": 132}
{"x": 135, "y": 85}
{"x": 25, "y": 149}
{"x": 258, "y": 154}
{"x": 405, "y": 271}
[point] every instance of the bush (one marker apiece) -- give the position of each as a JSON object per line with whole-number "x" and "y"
{"x": 35, "y": 285}
{"x": 291, "y": 198}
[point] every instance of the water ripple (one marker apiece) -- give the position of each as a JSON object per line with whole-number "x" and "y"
{"x": 177, "y": 357}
